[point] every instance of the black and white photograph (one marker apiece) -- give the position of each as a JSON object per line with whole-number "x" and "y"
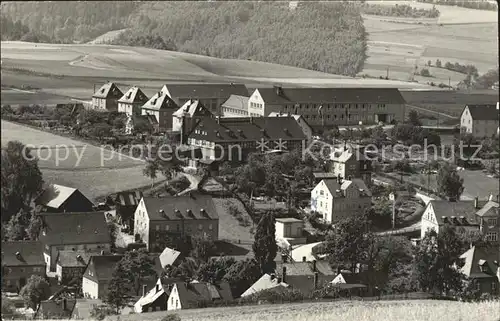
{"x": 250, "y": 160}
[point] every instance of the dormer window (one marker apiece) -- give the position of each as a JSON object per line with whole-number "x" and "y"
{"x": 483, "y": 265}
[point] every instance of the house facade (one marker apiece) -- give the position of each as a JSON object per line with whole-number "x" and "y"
{"x": 63, "y": 199}
{"x": 98, "y": 274}
{"x": 480, "y": 120}
{"x": 186, "y": 117}
{"x": 481, "y": 266}
{"x": 71, "y": 265}
{"x": 106, "y": 98}
{"x": 337, "y": 198}
{"x": 21, "y": 260}
{"x": 350, "y": 162}
{"x": 233, "y": 139}
{"x": 212, "y": 96}
{"x": 159, "y": 219}
{"x": 290, "y": 231}
{"x": 72, "y": 232}
{"x": 331, "y": 106}
{"x": 131, "y": 102}
{"x": 161, "y": 106}
{"x": 473, "y": 216}
{"x": 126, "y": 204}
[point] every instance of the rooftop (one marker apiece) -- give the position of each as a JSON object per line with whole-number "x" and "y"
{"x": 134, "y": 95}
{"x": 253, "y": 129}
{"x": 192, "y": 108}
{"x": 187, "y": 207}
{"x": 128, "y": 198}
{"x": 74, "y": 228}
{"x": 483, "y": 112}
{"x": 194, "y": 292}
{"x": 337, "y": 189}
{"x": 104, "y": 265}
{"x": 200, "y": 91}
{"x": 22, "y": 253}
{"x": 459, "y": 213}
{"x": 289, "y": 220}
{"x": 475, "y": 256}
{"x": 160, "y": 101}
{"x": 168, "y": 257}
{"x": 55, "y": 195}
{"x": 331, "y": 95}
{"x": 237, "y": 102}
{"x": 108, "y": 90}
{"x": 78, "y": 258}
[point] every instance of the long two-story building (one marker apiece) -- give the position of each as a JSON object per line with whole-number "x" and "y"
{"x": 234, "y": 138}
{"x": 157, "y": 219}
{"x": 21, "y": 260}
{"x": 331, "y": 106}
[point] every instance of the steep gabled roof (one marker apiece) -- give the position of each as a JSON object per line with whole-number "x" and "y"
{"x": 191, "y": 109}
{"x": 104, "y": 266}
{"x": 483, "y": 112}
{"x": 489, "y": 209}
{"x": 55, "y": 195}
{"x": 444, "y": 210}
{"x": 194, "y": 202}
{"x": 204, "y": 91}
{"x": 30, "y": 253}
{"x": 134, "y": 95}
{"x": 192, "y": 293}
{"x": 476, "y": 256}
{"x": 108, "y": 90}
{"x": 240, "y": 129}
{"x": 265, "y": 282}
{"x": 168, "y": 257}
{"x": 304, "y": 268}
{"x": 333, "y": 186}
{"x": 331, "y": 95}
{"x": 74, "y": 228}
{"x": 160, "y": 101}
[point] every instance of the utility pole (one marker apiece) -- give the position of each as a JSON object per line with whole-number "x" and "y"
{"x": 392, "y": 197}
{"x": 449, "y": 83}
{"x": 387, "y": 75}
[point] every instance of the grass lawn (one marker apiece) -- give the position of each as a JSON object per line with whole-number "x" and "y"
{"x": 93, "y": 178}
{"x": 342, "y": 310}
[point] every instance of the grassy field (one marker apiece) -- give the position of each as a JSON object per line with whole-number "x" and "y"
{"x": 398, "y": 44}
{"x": 80, "y": 164}
{"x": 345, "y": 311}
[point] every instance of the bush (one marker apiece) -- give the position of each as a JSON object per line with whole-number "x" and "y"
{"x": 425, "y": 72}
{"x": 276, "y": 295}
{"x": 171, "y": 317}
{"x": 100, "y": 312}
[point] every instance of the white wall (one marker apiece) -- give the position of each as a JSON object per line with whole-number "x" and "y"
{"x": 428, "y": 221}
{"x": 174, "y": 303}
{"x": 90, "y": 288}
{"x": 259, "y": 108}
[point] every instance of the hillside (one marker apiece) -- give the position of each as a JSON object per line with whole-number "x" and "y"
{"x": 263, "y": 31}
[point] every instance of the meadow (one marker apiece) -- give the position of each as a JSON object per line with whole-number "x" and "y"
{"x": 459, "y": 35}
{"x": 81, "y": 167}
{"x": 340, "y": 310}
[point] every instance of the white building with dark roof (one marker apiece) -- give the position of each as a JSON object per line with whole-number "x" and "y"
{"x": 483, "y": 217}
{"x": 338, "y": 198}
{"x": 131, "y": 102}
{"x": 480, "y": 120}
{"x": 331, "y": 106}
{"x": 106, "y": 97}
{"x": 157, "y": 219}
{"x": 162, "y": 107}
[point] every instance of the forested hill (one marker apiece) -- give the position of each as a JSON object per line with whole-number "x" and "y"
{"x": 328, "y": 37}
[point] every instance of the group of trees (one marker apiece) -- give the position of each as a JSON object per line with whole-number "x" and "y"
{"x": 410, "y": 134}
{"x": 480, "y": 5}
{"x": 403, "y": 10}
{"x": 12, "y": 31}
{"x": 262, "y": 31}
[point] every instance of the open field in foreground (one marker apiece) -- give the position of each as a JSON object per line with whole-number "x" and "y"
{"x": 69, "y": 162}
{"x": 341, "y": 310}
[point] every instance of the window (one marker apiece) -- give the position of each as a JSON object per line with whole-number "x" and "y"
{"x": 478, "y": 286}
{"x": 200, "y": 227}
{"x": 176, "y": 303}
{"x": 157, "y": 227}
{"x": 492, "y": 221}
{"x": 492, "y": 236}
{"x": 167, "y": 227}
{"x": 210, "y": 227}
{"x": 493, "y": 286}
{"x": 178, "y": 227}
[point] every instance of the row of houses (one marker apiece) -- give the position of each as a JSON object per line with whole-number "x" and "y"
{"x": 318, "y": 106}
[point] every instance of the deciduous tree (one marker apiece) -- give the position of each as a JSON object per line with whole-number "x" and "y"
{"x": 264, "y": 246}
{"x": 35, "y": 291}
{"x": 449, "y": 183}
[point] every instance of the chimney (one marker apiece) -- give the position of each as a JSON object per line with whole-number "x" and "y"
{"x": 315, "y": 280}
{"x": 339, "y": 179}
{"x": 102, "y": 252}
{"x": 279, "y": 90}
{"x": 144, "y": 288}
{"x": 218, "y": 119}
{"x": 162, "y": 212}
{"x": 157, "y": 287}
{"x": 283, "y": 276}
{"x": 79, "y": 258}
{"x": 18, "y": 255}
{"x": 476, "y": 202}
{"x": 303, "y": 259}
{"x": 314, "y": 266}
{"x": 64, "y": 304}
{"x": 349, "y": 178}
{"x": 284, "y": 258}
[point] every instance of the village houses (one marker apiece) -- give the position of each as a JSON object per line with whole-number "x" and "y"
{"x": 21, "y": 260}
{"x": 481, "y": 265}
{"x": 131, "y": 102}
{"x": 106, "y": 98}
{"x": 161, "y": 106}
{"x": 480, "y": 120}
{"x": 98, "y": 274}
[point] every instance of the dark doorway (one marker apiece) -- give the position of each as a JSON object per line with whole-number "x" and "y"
{"x": 22, "y": 282}
{"x": 382, "y": 118}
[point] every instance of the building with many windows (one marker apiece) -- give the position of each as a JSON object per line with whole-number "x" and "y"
{"x": 212, "y": 96}
{"x": 21, "y": 260}
{"x": 159, "y": 219}
{"x": 132, "y": 101}
{"x": 480, "y": 120}
{"x": 473, "y": 215}
{"x": 331, "y": 106}
{"x": 234, "y": 138}
{"x": 161, "y": 106}
{"x": 481, "y": 266}
{"x": 235, "y": 106}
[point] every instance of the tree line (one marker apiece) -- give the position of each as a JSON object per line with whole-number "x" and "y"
{"x": 328, "y": 37}
{"x": 403, "y": 10}
{"x": 481, "y": 5}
